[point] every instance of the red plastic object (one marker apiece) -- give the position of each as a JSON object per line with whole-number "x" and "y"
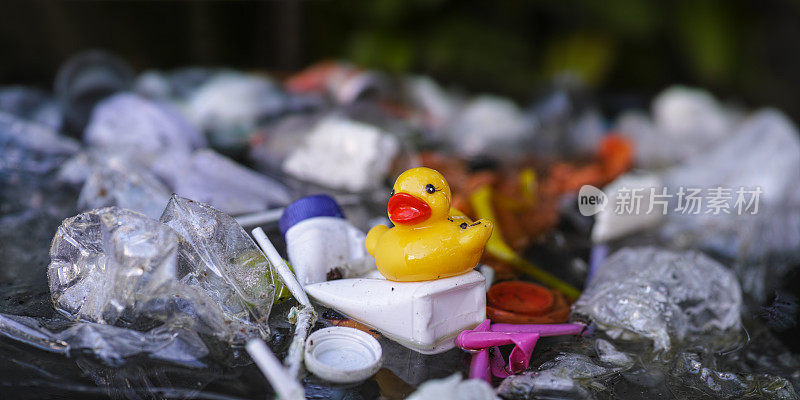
{"x": 518, "y": 302}
{"x": 521, "y": 297}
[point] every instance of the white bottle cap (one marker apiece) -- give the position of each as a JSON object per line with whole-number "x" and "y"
{"x": 343, "y": 355}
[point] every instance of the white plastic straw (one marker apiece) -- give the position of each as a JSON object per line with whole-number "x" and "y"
{"x": 283, "y": 270}
{"x": 285, "y": 386}
{"x": 305, "y": 317}
{"x": 260, "y": 218}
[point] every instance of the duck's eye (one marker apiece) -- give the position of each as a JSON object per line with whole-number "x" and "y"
{"x": 392, "y": 193}
{"x": 429, "y": 188}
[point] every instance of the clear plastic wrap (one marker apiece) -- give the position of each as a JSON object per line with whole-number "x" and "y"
{"x": 661, "y": 295}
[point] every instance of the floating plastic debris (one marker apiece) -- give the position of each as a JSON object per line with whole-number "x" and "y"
{"x": 211, "y": 178}
{"x": 229, "y": 106}
{"x": 217, "y": 255}
{"x": 31, "y": 104}
{"x": 661, "y": 295}
{"x": 454, "y": 388}
{"x": 105, "y": 264}
{"x": 130, "y": 123}
{"x": 120, "y": 183}
{"x": 343, "y": 154}
{"x": 320, "y": 243}
{"x": 568, "y": 375}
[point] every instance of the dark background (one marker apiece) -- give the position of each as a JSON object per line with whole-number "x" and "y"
{"x": 625, "y": 50}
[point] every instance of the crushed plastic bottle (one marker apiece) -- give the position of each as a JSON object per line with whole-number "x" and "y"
{"x": 662, "y": 296}
{"x": 116, "y": 266}
{"x": 107, "y": 263}
{"x": 218, "y": 256}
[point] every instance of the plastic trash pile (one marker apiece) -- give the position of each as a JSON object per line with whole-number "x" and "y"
{"x": 666, "y": 241}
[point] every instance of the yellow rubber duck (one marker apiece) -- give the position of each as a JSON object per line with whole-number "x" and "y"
{"x": 430, "y": 240}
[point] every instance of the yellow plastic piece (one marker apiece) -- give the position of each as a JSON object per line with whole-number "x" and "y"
{"x": 440, "y": 243}
{"x": 481, "y": 201}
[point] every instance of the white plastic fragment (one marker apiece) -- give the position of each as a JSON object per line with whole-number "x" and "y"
{"x": 286, "y": 387}
{"x": 343, "y": 355}
{"x": 488, "y": 274}
{"x": 628, "y": 207}
{"x": 454, "y": 388}
{"x": 489, "y": 125}
{"x": 343, "y": 154}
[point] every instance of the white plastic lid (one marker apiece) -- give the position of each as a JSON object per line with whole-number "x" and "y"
{"x": 343, "y": 355}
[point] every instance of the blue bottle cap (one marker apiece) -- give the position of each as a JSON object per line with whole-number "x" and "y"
{"x": 318, "y": 205}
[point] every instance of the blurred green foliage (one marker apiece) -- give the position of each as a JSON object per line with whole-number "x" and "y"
{"x": 513, "y": 47}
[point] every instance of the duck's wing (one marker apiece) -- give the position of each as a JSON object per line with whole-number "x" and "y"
{"x": 476, "y": 234}
{"x": 454, "y": 212}
{"x": 373, "y": 236}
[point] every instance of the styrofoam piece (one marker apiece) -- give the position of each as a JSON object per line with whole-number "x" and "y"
{"x": 284, "y": 385}
{"x": 342, "y": 354}
{"x": 285, "y": 273}
{"x": 424, "y": 316}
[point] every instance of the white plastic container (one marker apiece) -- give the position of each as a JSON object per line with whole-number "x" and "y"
{"x": 320, "y": 242}
{"x": 424, "y": 316}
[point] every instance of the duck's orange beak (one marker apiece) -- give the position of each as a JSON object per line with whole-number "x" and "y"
{"x": 407, "y": 209}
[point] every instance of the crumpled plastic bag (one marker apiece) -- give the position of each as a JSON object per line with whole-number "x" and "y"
{"x": 209, "y": 177}
{"x": 130, "y": 123}
{"x": 762, "y": 156}
{"x": 229, "y": 105}
{"x": 112, "y": 344}
{"x": 661, "y": 295}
